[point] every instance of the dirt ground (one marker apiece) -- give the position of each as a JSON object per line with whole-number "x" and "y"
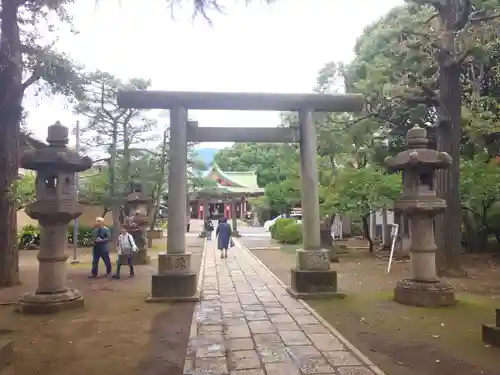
{"x": 116, "y": 332}
{"x": 406, "y": 340}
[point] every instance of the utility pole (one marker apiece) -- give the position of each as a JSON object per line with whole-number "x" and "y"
{"x": 77, "y": 191}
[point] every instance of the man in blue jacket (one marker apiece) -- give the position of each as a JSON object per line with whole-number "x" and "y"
{"x": 100, "y": 250}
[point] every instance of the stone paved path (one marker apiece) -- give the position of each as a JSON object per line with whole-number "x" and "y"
{"x": 247, "y": 324}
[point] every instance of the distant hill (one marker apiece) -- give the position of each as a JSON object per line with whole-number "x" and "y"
{"x": 206, "y": 155}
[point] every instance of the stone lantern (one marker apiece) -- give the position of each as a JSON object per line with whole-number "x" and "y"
{"x": 55, "y": 206}
{"x": 138, "y": 202}
{"x": 420, "y": 204}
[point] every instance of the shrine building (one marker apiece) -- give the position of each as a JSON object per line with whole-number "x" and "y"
{"x": 228, "y": 197}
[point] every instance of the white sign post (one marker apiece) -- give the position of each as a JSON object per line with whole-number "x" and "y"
{"x": 394, "y": 235}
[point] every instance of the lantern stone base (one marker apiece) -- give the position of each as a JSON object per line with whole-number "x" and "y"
{"x": 37, "y": 303}
{"x": 314, "y": 284}
{"x": 424, "y": 294}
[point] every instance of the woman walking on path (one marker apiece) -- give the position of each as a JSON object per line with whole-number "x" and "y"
{"x": 223, "y": 234}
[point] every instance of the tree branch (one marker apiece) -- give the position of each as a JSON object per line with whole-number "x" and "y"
{"x": 435, "y": 15}
{"x": 476, "y": 20}
{"x": 31, "y": 80}
{"x": 427, "y": 37}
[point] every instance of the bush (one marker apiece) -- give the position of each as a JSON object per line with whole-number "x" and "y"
{"x": 84, "y": 233}
{"x": 29, "y": 229}
{"x": 290, "y": 234}
{"x": 278, "y": 225}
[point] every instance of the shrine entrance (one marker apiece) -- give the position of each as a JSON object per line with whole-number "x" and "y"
{"x": 312, "y": 277}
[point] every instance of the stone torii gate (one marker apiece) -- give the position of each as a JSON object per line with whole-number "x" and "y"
{"x": 312, "y": 276}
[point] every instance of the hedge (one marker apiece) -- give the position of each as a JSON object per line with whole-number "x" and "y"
{"x": 290, "y": 234}
{"x": 276, "y": 228}
{"x": 84, "y": 233}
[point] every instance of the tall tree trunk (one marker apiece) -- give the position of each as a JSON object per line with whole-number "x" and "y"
{"x": 366, "y": 231}
{"x": 115, "y": 201}
{"x": 127, "y": 183}
{"x": 11, "y": 94}
{"x": 448, "y": 137}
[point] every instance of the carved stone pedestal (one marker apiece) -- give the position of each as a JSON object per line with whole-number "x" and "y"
{"x": 313, "y": 278}
{"x": 424, "y": 294}
{"x": 491, "y": 332}
{"x": 175, "y": 282}
{"x": 47, "y": 303}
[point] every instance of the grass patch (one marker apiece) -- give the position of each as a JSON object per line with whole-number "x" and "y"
{"x": 159, "y": 247}
{"x": 455, "y": 330}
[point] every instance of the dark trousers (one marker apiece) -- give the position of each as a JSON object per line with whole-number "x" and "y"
{"x": 119, "y": 266}
{"x": 97, "y": 254}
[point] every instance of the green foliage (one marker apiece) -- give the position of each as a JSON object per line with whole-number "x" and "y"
{"x": 273, "y": 162}
{"x": 480, "y": 195}
{"x": 361, "y": 191}
{"x": 29, "y": 230}
{"x": 283, "y": 196}
{"x": 290, "y": 233}
{"x": 94, "y": 187}
{"x": 106, "y": 119}
{"x": 25, "y": 189}
{"x": 276, "y": 228}
{"x": 84, "y": 233}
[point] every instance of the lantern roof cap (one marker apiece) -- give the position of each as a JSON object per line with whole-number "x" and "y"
{"x": 57, "y": 156}
{"x": 418, "y": 155}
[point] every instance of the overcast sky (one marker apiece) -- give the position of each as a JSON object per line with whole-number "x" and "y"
{"x": 259, "y": 48}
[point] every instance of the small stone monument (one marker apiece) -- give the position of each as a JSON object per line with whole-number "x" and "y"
{"x": 138, "y": 207}
{"x": 420, "y": 203}
{"x": 491, "y": 332}
{"x": 55, "y": 206}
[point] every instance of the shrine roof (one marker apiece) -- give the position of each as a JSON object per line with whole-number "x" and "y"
{"x": 242, "y": 182}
